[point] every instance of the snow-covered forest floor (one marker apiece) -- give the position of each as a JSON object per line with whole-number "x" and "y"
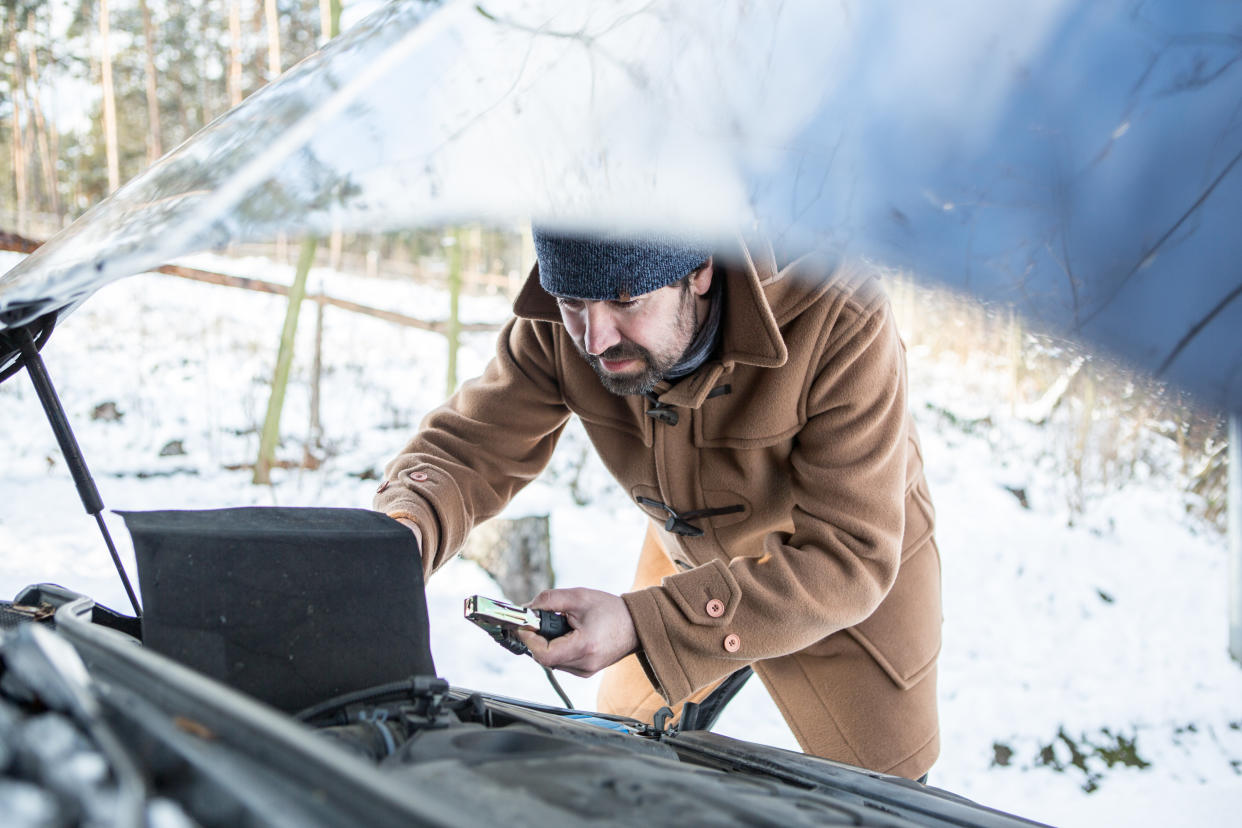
{"x": 1084, "y": 678}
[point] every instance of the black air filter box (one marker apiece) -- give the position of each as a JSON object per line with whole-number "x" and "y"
{"x": 290, "y": 605}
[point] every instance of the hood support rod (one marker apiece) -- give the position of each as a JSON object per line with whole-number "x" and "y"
{"x": 69, "y": 448}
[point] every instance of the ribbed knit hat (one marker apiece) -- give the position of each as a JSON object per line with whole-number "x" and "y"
{"x": 603, "y": 268}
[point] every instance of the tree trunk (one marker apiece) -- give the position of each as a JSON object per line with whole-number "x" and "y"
{"x": 59, "y": 204}
{"x": 516, "y": 553}
{"x": 336, "y": 243}
{"x": 527, "y": 263}
{"x": 207, "y": 102}
{"x": 273, "y": 40}
{"x": 235, "y": 61}
{"x": 54, "y": 139}
{"x": 47, "y": 154}
{"x": 284, "y": 359}
{"x": 109, "y": 100}
{"x": 257, "y": 68}
{"x": 316, "y": 425}
{"x": 334, "y": 15}
{"x": 325, "y": 20}
{"x": 315, "y": 440}
{"x": 455, "y": 258}
{"x": 155, "y": 140}
{"x": 18, "y": 144}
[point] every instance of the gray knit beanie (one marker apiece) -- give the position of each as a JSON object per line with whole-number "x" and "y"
{"x": 603, "y": 268}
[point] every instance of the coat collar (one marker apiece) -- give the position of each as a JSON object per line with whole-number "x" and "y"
{"x": 749, "y": 331}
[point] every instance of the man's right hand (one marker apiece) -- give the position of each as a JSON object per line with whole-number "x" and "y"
{"x": 602, "y": 631}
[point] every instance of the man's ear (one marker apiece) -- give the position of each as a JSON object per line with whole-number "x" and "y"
{"x": 701, "y": 281}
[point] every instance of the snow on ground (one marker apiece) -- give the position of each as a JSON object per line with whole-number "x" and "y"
{"x": 1084, "y": 678}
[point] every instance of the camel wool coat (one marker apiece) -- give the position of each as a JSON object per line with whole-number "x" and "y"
{"x": 784, "y": 483}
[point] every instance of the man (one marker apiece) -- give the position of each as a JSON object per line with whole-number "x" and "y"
{"x": 758, "y": 415}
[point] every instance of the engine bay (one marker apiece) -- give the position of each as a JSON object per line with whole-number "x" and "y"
{"x": 96, "y": 728}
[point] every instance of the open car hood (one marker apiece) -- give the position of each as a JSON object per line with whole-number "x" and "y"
{"x": 1078, "y": 159}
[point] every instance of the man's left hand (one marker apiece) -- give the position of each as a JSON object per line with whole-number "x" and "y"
{"x": 603, "y": 632}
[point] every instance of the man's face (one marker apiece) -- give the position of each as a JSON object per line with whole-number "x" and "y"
{"x": 631, "y": 345}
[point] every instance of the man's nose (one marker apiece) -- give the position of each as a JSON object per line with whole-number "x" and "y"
{"x": 601, "y": 329}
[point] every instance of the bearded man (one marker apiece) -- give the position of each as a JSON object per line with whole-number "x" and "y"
{"x": 757, "y": 413}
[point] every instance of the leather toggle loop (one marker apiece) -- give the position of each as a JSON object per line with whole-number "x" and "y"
{"x": 660, "y": 411}
{"x": 679, "y": 524}
{"x": 665, "y": 415}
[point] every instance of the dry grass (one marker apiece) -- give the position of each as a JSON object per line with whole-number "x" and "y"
{"x": 1101, "y": 424}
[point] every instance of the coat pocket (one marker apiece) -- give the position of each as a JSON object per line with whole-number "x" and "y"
{"x": 769, "y": 412}
{"x": 903, "y": 634}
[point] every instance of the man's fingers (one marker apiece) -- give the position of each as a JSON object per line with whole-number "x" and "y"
{"x": 545, "y": 652}
{"x": 537, "y": 644}
{"x": 557, "y": 600}
{"x": 561, "y": 653}
{"x": 602, "y": 631}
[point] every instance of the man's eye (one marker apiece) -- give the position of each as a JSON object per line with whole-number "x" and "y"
{"x": 617, "y": 303}
{"x": 570, "y": 304}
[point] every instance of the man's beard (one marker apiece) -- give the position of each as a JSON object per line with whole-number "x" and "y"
{"x": 640, "y": 383}
{"x": 655, "y": 366}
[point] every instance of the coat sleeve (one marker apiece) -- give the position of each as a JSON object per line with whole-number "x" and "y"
{"x": 475, "y": 452}
{"x": 832, "y": 571}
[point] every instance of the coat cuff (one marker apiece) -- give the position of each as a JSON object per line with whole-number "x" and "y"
{"x": 400, "y": 501}
{"x": 656, "y": 652}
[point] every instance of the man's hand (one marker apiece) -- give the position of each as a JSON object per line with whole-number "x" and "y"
{"x": 603, "y": 632}
{"x": 413, "y": 527}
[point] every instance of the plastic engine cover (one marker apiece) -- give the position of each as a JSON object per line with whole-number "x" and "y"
{"x": 290, "y": 605}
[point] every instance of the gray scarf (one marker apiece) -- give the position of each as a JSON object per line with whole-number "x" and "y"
{"x": 705, "y": 340}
